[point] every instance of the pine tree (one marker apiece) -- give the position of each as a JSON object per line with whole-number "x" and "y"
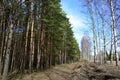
{"x": 36, "y": 36}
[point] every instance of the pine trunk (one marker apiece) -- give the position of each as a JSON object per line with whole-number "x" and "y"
{"x": 8, "y": 48}
{"x": 32, "y": 47}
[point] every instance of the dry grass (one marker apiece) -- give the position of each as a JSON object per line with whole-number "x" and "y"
{"x": 75, "y": 71}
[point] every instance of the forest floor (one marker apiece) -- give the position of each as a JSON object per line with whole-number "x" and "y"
{"x": 75, "y": 71}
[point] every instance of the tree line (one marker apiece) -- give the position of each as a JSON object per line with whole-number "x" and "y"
{"x": 34, "y": 35}
{"x": 103, "y": 17}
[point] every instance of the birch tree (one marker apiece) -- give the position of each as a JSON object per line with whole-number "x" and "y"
{"x": 92, "y": 19}
{"x": 114, "y": 30}
{"x": 85, "y": 47}
{"x": 103, "y": 30}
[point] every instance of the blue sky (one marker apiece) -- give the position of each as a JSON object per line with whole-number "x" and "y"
{"x": 78, "y": 18}
{"x": 73, "y": 9}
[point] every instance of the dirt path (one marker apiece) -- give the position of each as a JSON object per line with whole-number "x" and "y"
{"x": 76, "y": 71}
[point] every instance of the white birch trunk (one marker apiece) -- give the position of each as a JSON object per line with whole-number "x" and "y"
{"x": 114, "y": 31}
{"x": 103, "y": 30}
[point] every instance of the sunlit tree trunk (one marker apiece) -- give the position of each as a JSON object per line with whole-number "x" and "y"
{"x": 15, "y": 39}
{"x": 27, "y": 28}
{"x": 98, "y": 34}
{"x": 32, "y": 46}
{"x": 32, "y": 38}
{"x": 93, "y": 29}
{"x": 39, "y": 36}
{"x": 8, "y": 48}
{"x": 103, "y": 31}
{"x": 111, "y": 47}
{"x": 38, "y": 46}
{"x": 114, "y": 30}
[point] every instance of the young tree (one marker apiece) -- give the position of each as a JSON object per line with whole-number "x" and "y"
{"x": 85, "y": 47}
{"x": 90, "y": 8}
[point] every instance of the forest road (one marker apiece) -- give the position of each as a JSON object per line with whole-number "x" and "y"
{"x": 76, "y": 71}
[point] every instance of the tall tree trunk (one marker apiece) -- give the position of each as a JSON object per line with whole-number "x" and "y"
{"x": 15, "y": 39}
{"x": 26, "y": 41}
{"x": 103, "y": 30}
{"x": 93, "y": 27}
{"x": 111, "y": 47}
{"x": 27, "y": 27}
{"x": 114, "y": 31}
{"x": 32, "y": 46}
{"x": 2, "y": 43}
{"x": 38, "y": 48}
{"x": 5, "y": 71}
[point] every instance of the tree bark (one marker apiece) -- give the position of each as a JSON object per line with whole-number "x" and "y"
{"x": 103, "y": 30}
{"x": 5, "y": 71}
{"x": 114, "y": 31}
{"x": 32, "y": 46}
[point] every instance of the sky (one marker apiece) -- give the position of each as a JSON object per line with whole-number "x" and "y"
{"x": 73, "y": 9}
{"x": 78, "y": 19}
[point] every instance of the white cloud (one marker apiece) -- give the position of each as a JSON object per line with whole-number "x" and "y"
{"x": 78, "y": 37}
{"x": 118, "y": 48}
{"x": 76, "y": 22}
{"x": 78, "y": 26}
